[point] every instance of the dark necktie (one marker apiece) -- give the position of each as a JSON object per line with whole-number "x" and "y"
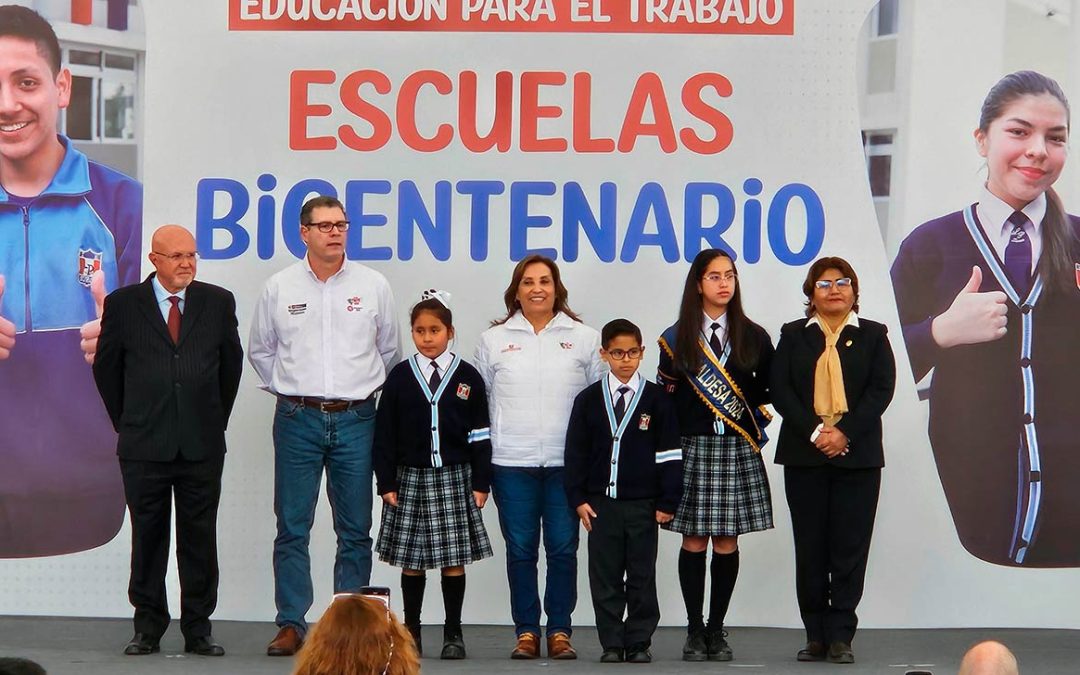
{"x": 1018, "y": 255}
{"x": 435, "y": 378}
{"x": 174, "y": 318}
{"x": 714, "y": 340}
{"x": 620, "y": 405}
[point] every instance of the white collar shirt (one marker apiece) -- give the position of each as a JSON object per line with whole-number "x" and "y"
{"x": 994, "y": 217}
{"x": 706, "y": 327}
{"x": 852, "y": 320}
{"x": 443, "y": 360}
{"x": 333, "y": 339}
{"x": 162, "y": 296}
{"x": 614, "y": 383}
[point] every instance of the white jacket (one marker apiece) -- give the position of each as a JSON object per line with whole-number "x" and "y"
{"x": 532, "y": 379}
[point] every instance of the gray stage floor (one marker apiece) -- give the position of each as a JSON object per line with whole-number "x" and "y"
{"x": 92, "y": 647}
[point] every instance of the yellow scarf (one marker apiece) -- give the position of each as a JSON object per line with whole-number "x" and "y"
{"x": 830, "y": 399}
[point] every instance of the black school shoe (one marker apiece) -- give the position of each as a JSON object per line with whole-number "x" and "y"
{"x": 612, "y": 655}
{"x": 841, "y": 652}
{"x": 453, "y": 648}
{"x": 638, "y": 653}
{"x": 695, "y": 649}
{"x": 716, "y": 643}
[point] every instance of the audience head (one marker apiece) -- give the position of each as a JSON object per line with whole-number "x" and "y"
{"x": 14, "y": 666}
{"x": 357, "y": 636}
{"x": 989, "y": 658}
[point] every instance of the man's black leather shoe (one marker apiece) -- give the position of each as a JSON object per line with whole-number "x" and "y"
{"x": 613, "y": 655}
{"x": 841, "y": 652}
{"x": 638, "y": 653}
{"x": 813, "y": 651}
{"x": 204, "y": 646}
{"x": 142, "y": 644}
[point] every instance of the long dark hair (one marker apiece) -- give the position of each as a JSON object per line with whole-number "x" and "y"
{"x": 741, "y": 330}
{"x": 1055, "y": 263}
{"x": 510, "y": 295}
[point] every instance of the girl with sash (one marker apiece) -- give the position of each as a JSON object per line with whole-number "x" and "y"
{"x": 715, "y": 363}
{"x": 832, "y": 378}
{"x": 989, "y": 303}
{"x": 432, "y": 459}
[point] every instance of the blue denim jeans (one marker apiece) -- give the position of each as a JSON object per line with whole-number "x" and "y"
{"x": 306, "y": 441}
{"x": 528, "y": 497}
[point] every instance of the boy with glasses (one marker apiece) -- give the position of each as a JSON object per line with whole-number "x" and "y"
{"x": 624, "y": 477}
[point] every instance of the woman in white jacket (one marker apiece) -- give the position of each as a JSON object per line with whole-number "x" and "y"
{"x": 534, "y": 361}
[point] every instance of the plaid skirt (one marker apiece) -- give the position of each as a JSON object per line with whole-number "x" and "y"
{"x": 725, "y": 488}
{"x": 436, "y": 522}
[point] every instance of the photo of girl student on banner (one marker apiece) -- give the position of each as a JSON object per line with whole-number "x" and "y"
{"x": 989, "y": 301}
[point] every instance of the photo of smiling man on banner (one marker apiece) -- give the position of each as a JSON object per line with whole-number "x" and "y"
{"x": 70, "y": 231}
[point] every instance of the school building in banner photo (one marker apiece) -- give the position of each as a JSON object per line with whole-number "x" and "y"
{"x": 923, "y": 68}
{"x": 104, "y": 45}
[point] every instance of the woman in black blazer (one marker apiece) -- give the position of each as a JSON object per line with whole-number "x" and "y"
{"x": 831, "y": 400}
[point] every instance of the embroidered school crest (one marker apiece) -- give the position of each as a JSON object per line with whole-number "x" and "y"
{"x": 1077, "y": 275}
{"x": 355, "y": 304}
{"x": 463, "y": 391}
{"x": 566, "y": 345}
{"x": 643, "y": 422}
{"x": 90, "y": 262}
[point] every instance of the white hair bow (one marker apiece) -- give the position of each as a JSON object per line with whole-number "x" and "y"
{"x": 434, "y": 294}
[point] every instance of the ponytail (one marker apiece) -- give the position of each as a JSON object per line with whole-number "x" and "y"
{"x": 1056, "y": 264}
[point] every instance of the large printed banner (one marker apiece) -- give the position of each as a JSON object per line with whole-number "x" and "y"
{"x": 619, "y": 137}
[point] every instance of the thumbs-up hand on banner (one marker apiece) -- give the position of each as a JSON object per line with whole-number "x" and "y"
{"x": 973, "y": 317}
{"x": 92, "y": 329}
{"x": 7, "y": 328}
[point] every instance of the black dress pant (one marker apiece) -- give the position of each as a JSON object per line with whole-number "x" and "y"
{"x": 832, "y": 518}
{"x": 150, "y": 488}
{"x": 622, "y": 571}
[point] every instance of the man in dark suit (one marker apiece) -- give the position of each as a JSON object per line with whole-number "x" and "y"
{"x": 168, "y": 367}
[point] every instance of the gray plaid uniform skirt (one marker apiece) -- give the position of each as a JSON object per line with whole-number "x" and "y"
{"x": 436, "y": 522}
{"x": 725, "y": 488}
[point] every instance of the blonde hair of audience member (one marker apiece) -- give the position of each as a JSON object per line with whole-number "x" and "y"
{"x": 989, "y": 658}
{"x": 357, "y": 636}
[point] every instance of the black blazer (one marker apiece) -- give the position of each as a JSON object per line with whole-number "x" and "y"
{"x": 869, "y": 378}
{"x": 168, "y": 400}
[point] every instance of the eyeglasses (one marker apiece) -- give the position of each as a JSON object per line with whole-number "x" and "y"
{"x": 327, "y": 227}
{"x": 622, "y": 355}
{"x": 716, "y": 277}
{"x": 826, "y": 284}
{"x": 178, "y": 257}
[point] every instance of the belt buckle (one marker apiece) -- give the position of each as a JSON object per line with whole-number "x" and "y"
{"x": 323, "y": 406}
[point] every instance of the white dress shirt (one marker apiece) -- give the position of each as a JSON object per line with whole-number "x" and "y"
{"x": 426, "y": 369}
{"x": 614, "y": 383}
{"x": 994, "y": 217}
{"x": 333, "y": 339}
{"x": 163, "y": 296}
{"x": 706, "y": 328}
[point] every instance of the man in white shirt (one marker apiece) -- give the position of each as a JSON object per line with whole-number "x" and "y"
{"x": 323, "y": 337}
